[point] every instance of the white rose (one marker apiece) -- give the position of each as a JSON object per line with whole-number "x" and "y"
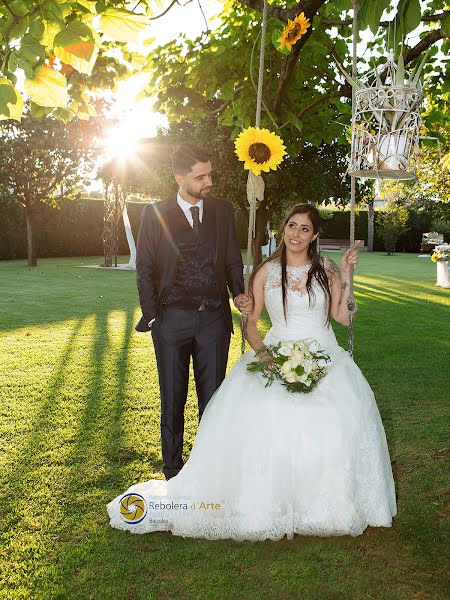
{"x": 286, "y": 367}
{"x": 285, "y": 351}
{"x": 291, "y": 377}
{"x": 297, "y": 357}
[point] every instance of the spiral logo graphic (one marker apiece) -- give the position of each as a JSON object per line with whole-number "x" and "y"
{"x": 132, "y": 508}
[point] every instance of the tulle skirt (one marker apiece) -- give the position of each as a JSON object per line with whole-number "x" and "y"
{"x": 268, "y": 463}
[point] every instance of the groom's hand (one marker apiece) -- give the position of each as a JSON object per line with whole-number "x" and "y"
{"x": 244, "y": 303}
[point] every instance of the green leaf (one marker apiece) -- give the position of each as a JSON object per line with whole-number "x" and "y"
{"x": 412, "y": 16}
{"x": 300, "y": 370}
{"x": 11, "y": 101}
{"x": 31, "y": 50}
{"x": 63, "y": 114}
{"x": 400, "y": 72}
{"x": 48, "y": 88}
{"x": 122, "y": 25}
{"x": 40, "y": 111}
{"x": 342, "y": 4}
{"x": 445, "y": 25}
{"x": 435, "y": 116}
{"x": 418, "y": 69}
{"x": 59, "y": 11}
{"x": 87, "y": 5}
{"x": 37, "y": 29}
{"x": 400, "y": 9}
{"x": 19, "y": 29}
{"x": 75, "y": 46}
{"x": 69, "y": 56}
{"x": 374, "y": 12}
{"x": 408, "y": 15}
{"x": 17, "y": 61}
{"x": 50, "y": 31}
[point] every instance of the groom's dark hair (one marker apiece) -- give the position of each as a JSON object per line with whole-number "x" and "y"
{"x": 185, "y": 156}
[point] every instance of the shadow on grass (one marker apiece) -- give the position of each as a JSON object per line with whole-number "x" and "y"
{"x": 18, "y": 480}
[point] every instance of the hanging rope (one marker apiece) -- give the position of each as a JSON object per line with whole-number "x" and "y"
{"x": 255, "y": 183}
{"x": 351, "y": 304}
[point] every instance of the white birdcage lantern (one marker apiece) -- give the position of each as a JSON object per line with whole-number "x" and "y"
{"x": 386, "y": 123}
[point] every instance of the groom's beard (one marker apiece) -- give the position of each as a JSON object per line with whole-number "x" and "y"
{"x": 199, "y": 195}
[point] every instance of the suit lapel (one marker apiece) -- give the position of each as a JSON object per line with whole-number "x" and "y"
{"x": 178, "y": 224}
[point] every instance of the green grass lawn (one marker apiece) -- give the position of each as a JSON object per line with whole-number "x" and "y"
{"x": 80, "y": 424}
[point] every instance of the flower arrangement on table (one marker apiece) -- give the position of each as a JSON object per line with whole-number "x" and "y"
{"x": 298, "y": 365}
{"x": 441, "y": 252}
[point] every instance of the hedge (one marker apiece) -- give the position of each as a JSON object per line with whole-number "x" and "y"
{"x": 75, "y": 229}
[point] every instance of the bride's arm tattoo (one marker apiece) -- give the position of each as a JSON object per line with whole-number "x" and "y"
{"x": 344, "y": 285}
{"x": 331, "y": 268}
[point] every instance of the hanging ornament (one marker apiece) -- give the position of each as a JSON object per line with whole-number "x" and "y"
{"x": 259, "y": 149}
{"x": 386, "y": 122}
{"x": 293, "y": 31}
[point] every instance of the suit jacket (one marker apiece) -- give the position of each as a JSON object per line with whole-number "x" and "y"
{"x": 157, "y": 254}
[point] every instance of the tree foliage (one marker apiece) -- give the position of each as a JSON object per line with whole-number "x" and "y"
{"x": 66, "y": 47}
{"x": 392, "y": 222}
{"x": 42, "y": 161}
{"x": 306, "y": 100}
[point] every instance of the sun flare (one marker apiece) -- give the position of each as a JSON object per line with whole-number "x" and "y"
{"x": 121, "y": 143}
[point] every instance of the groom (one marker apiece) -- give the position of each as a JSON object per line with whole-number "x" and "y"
{"x": 187, "y": 255}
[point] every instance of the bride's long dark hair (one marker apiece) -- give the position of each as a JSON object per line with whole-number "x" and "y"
{"x": 317, "y": 270}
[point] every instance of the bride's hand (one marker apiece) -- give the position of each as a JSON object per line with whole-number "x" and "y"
{"x": 266, "y": 357}
{"x": 349, "y": 261}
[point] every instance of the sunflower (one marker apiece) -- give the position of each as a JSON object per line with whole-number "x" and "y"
{"x": 259, "y": 149}
{"x": 435, "y": 257}
{"x": 294, "y": 31}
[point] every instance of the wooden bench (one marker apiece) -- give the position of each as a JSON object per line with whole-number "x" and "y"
{"x": 340, "y": 245}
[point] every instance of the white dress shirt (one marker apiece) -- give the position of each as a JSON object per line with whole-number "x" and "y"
{"x": 186, "y": 206}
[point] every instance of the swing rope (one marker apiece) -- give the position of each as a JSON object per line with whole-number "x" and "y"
{"x": 351, "y": 304}
{"x": 255, "y": 183}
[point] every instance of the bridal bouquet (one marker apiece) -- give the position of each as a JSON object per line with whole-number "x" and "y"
{"x": 298, "y": 365}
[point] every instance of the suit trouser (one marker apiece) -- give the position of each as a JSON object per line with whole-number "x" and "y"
{"x": 177, "y": 335}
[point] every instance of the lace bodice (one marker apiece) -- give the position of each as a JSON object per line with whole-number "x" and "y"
{"x": 296, "y": 277}
{"x": 305, "y": 318}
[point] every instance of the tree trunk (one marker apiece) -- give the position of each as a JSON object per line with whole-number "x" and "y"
{"x": 370, "y": 226}
{"x": 31, "y": 241}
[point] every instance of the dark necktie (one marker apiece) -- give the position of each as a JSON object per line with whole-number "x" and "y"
{"x": 196, "y": 219}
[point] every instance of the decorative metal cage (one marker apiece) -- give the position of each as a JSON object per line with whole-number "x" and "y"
{"x": 385, "y": 125}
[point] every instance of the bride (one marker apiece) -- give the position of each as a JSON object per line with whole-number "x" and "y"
{"x": 268, "y": 463}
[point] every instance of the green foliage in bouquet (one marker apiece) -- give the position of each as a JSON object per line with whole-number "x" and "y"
{"x": 298, "y": 365}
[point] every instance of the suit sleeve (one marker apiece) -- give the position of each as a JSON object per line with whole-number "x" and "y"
{"x": 234, "y": 265}
{"x": 145, "y": 267}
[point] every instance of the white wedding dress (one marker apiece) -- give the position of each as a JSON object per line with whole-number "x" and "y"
{"x": 267, "y": 463}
